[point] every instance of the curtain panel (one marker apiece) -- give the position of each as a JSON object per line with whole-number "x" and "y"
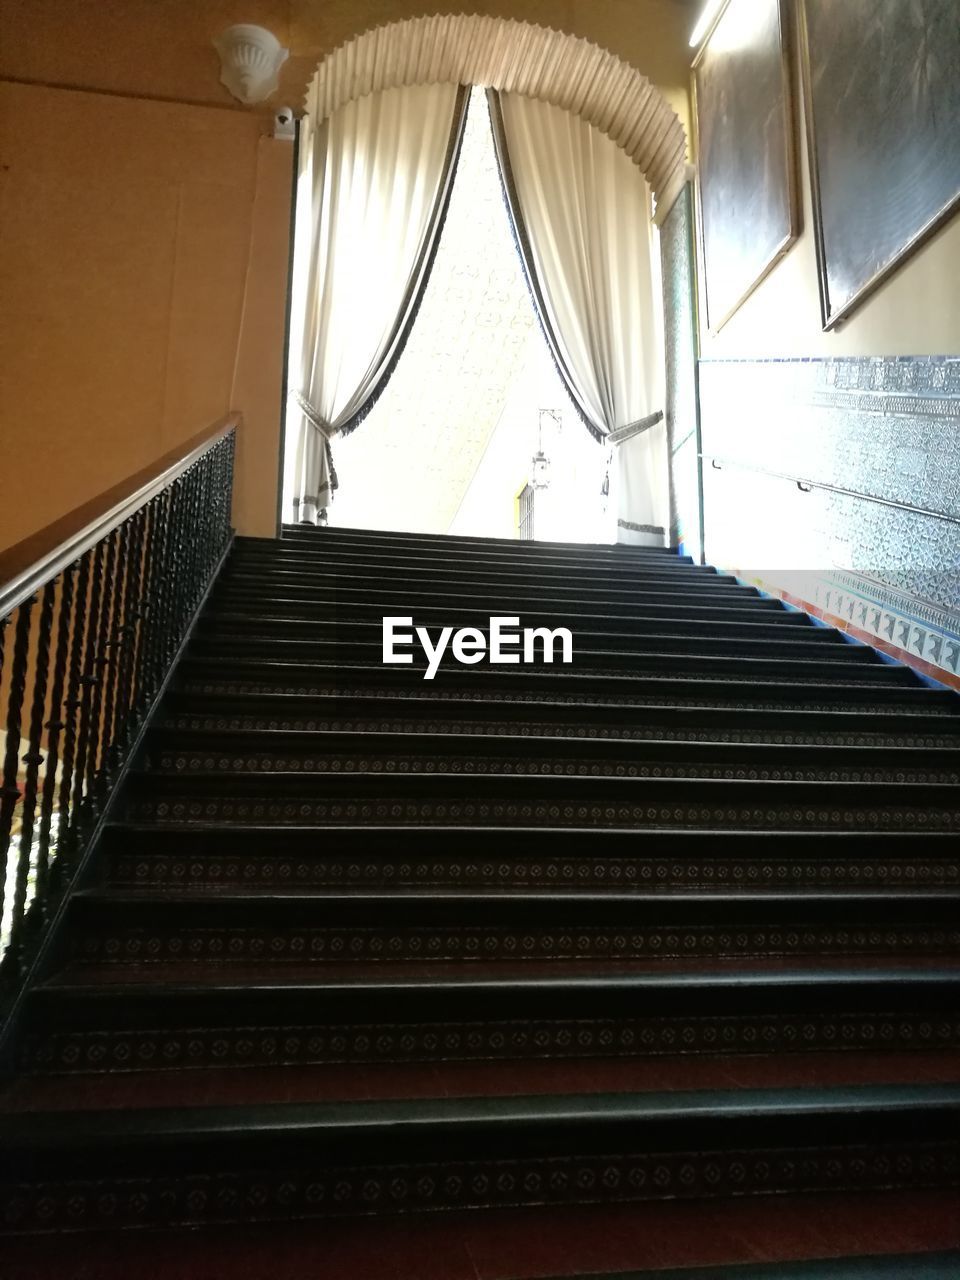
{"x": 581, "y": 212}
{"x": 373, "y": 187}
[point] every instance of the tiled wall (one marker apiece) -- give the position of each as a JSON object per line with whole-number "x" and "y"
{"x": 676, "y": 260}
{"x": 880, "y": 551}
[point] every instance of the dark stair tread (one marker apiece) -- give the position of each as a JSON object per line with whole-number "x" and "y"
{"x": 459, "y": 576}
{"x": 250, "y": 1086}
{"x": 406, "y": 683}
{"x": 263, "y": 628}
{"x": 317, "y": 611}
{"x": 669, "y": 976}
{"x": 250, "y": 650}
{"x": 434, "y": 1119}
{"x": 586, "y": 721}
{"x": 349, "y": 534}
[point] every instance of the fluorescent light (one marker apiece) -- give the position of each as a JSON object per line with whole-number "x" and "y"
{"x": 705, "y": 21}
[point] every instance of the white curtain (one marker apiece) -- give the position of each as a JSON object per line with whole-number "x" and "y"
{"x": 582, "y": 212}
{"x": 373, "y": 184}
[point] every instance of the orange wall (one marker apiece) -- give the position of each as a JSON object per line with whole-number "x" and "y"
{"x": 144, "y": 219}
{"x": 132, "y": 231}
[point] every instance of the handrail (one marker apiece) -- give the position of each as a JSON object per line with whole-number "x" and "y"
{"x": 28, "y": 564}
{"x": 93, "y": 611}
{"x": 805, "y": 485}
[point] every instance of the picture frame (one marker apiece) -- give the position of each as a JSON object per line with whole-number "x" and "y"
{"x": 910, "y": 122}
{"x": 747, "y": 183}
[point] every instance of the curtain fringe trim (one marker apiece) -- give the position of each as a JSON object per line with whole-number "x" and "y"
{"x": 622, "y": 434}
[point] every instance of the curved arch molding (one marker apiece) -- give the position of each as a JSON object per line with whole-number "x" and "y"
{"x": 515, "y": 57}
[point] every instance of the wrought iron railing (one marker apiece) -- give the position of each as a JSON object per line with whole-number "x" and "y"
{"x": 92, "y": 613}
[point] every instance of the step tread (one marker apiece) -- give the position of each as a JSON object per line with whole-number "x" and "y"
{"x": 91, "y": 1130}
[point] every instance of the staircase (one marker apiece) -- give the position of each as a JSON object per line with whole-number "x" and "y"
{"x": 677, "y": 922}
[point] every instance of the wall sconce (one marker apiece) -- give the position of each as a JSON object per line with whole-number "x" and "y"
{"x": 250, "y": 58}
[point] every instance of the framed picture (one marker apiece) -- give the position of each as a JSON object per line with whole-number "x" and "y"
{"x": 747, "y": 205}
{"x": 882, "y": 93}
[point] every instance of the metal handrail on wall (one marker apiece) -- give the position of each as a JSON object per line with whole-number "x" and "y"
{"x": 93, "y": 610}
{"x": 806, "y": 485}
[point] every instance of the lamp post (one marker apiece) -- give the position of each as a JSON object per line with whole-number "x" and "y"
{"x": 541, "y": 463}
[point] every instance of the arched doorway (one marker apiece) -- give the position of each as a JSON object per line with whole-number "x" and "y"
{"x": 527, "y": 61}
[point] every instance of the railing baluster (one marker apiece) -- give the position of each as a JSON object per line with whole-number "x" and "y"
{"x": 55, "y": 727}
{"x": 130, "y": 551}
{"x": 33, "y": 760}
{"x": 72, "y": 707}
{"x": 10, "y": 791}
{"x": 88, "y": 682}
{"x": 103, "y": 690}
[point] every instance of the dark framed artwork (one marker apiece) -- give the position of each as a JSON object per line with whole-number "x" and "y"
{"x": 747, "y": 205}
{"x": 882, "y": 93}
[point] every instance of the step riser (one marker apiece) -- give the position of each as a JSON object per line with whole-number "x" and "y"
{"x": 570, "y": 940}
{"x": 254, "y": 763}
{"x": 283, "y": 873}
{"x": 531, "y": 685}
{"x": 255, "y": 1040}
{"x": 255, "y": 713}
{"x": 308, "y": 1188}
{"x": 463, "y": 812}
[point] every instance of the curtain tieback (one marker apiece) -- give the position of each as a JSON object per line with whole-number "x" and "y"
{"x": 313, "y": 416}
{"x": 622, "y": 434}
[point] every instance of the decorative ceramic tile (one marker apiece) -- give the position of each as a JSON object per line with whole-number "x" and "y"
{"x": 883, "y": 554}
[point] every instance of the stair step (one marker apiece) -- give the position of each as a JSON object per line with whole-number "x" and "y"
{"x": 101, "y": 1084}
{"x": 822, "y": 666}
{"x": 389, "y": 581}
{"x": 183, "y": 751}
{"x": 678, "y": 921}
{"x": 196, "y": 1165}
{"x": 293, "y": 560}
{"x": 317, "y": 539}
{"x": 110, "y": 927}
{"x": 427, "y": 858}
{"x": 332, "y": 611}
{"x": 89, "y": 1018}
{"x": 815, "y": 643}
{"x": 510, "y": 801}
{"x": 516, "y": 684}
{"x": 506, "y": 601}
{"x": 594, "y": 721}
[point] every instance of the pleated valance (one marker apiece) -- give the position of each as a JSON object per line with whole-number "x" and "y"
{"x": 514, "y": 57}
